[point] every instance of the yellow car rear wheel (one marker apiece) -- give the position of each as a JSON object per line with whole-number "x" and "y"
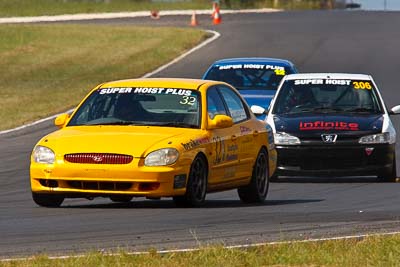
{"x": 256, "y": 191}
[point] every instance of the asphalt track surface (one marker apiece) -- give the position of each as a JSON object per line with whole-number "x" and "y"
{"x": 296, "y": 208}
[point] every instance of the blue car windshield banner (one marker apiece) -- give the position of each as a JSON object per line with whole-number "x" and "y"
{"x": 249, "y": 76}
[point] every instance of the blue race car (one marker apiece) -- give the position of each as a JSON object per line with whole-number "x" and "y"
{"x": 256, "y": 78}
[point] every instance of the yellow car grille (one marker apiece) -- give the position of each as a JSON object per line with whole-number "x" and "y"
{"x": 98, "y": 158}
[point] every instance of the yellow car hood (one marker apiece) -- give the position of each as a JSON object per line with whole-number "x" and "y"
{"x": 131, "y": 140}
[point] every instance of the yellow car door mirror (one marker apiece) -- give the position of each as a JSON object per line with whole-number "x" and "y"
{"x": 220, "y": 121}
{"x": 61, "y": 120}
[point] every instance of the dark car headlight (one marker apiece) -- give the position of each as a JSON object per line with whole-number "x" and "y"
{"x": 282, "y": 138}
{"x": 381, "y": 138}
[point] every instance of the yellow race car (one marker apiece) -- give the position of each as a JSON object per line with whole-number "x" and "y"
{"x": 155, "y": 138}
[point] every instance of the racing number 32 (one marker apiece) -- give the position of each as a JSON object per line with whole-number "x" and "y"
{"x": 188, "y": 100}
{"x": 362, "y": 85}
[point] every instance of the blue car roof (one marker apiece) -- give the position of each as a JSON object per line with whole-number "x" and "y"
{"x": 254, "y": 60}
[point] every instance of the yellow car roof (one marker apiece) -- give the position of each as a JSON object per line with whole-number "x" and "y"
{"x": 157, "y": 82}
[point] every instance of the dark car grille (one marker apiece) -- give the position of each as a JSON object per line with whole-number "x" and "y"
{"x": 331, "y": 163}
{"x": 98, "y": 158}
{"x": 331, "y": 157}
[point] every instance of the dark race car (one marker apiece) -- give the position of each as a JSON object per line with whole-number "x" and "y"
{"x": 332, "y": 124}
{"x": 256, "y": 78}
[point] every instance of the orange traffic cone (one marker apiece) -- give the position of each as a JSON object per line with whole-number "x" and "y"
{"x": 154, "y": 14}
{"x": 193, "y": 20}
{"x": 216, "y": 15}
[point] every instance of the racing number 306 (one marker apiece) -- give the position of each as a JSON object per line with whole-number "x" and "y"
{"x": 362, "y": 85}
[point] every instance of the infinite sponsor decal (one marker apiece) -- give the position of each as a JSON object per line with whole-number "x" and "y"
{"x": 329, "y": 125}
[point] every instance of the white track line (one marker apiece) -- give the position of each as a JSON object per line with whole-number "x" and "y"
{"x": 312, "y": 240}
{"x": 137, "y": 14}
{"x": 206, "y": 42}
{"x": 215, "y": 36}
{"x": 31, "y": 124}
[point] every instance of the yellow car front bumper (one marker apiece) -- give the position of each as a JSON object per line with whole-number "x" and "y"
{"x": 133, "y": 179}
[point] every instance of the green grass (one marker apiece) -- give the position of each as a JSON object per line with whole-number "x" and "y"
{"x": 372, "y": 251}
{"x": 46, "y": 69}
{"x": 10, "y": 8}
{"x": 55, "y": 7}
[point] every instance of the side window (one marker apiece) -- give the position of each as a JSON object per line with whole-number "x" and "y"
{"x": 215, "y": 106}
{"x": 235, "y": 105}
{"x": 95, "y": 107}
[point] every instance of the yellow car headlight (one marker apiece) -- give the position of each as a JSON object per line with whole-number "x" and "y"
{"x": 162, "y": 157}
{"x": 42, "y": 154}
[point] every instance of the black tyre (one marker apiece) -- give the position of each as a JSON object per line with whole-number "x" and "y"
{"x": 48, "y": 200}
{"x": 391, "y": 175}
{"x": 121, "y": 199}
{"x": 196, "y": 188}
{"x": 256, "y": 191}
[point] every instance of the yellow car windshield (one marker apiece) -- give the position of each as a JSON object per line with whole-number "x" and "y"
{"x": 175, "y": 107}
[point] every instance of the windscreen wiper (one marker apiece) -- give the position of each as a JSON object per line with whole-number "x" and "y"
{"x": 314, "y": 109}
{"x": 328, "y": 109}
{"x": 177, "y": 124}
{"x": 369, "y": 110}
{"x": 120, "y": 123}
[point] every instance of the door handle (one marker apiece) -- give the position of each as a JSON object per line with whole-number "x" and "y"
{"x": 255, "y": 133}
{"x": 233, "y": 137}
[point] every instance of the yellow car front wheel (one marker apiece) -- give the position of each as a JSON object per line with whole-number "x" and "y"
{"x": 47, "y": 200}
{"x": 196, "y": 188}
{"x": 121, "y": 199}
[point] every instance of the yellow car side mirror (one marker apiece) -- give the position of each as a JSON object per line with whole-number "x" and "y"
{"x": 61, "y": 120}
{"x": 220, "y": 121}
